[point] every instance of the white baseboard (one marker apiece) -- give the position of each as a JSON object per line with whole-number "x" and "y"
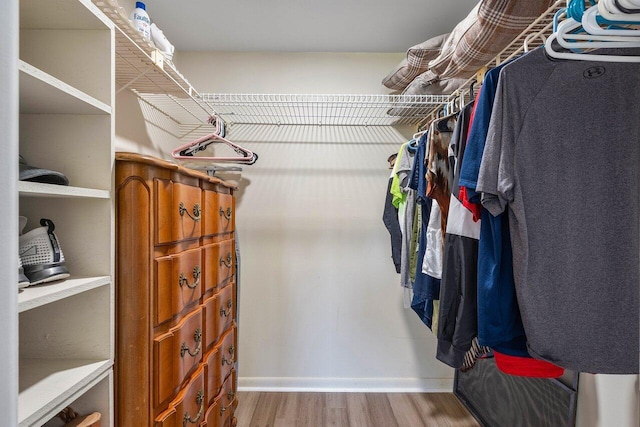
{"x": 368, "y": 385}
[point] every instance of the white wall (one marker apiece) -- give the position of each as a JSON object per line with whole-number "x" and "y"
{"x": 321, "y": 305}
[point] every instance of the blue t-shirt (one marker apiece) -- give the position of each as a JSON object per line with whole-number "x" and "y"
{"x": 499, "y": 322}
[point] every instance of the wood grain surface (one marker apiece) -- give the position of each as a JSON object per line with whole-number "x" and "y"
{"x": 262, "y": 409}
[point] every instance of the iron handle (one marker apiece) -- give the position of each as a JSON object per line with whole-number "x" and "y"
{"x": 226, "y": 313}
{"x": 230, "y": 397}
{"x": 196, "y": 211}
{"x": 227, "y": 214}
{"x": 227, "y": 262}
{"x": 182, "y": 281}
{"x": 200, "y": 401}
{"x": 184, "y": 348}
{"x": 226, "y": 361}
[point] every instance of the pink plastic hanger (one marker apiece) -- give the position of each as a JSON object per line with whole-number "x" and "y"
{"x": 187, "y": 151}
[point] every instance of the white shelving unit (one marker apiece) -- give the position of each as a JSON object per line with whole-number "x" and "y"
{"x": 66, "y": 73}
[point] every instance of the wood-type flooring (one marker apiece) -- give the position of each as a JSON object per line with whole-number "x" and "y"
{"x": 268, "y": 409}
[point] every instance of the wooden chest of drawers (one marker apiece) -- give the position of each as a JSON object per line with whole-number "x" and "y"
{"x": 175, "y": 296}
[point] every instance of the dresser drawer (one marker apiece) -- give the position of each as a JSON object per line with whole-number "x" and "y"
{"x": 228, "y": 353}
{"x": 179, "y": 283}
{"x": 219, "y": 264}
{"x": 226, "y": 310}
{"x": 220, "y": 213}
{"x": 188, "y": 408}
{"x": 216, "y": 371}
{"x": 219, "y": 313}
{"x": 177, "y": 353}
{"x": 220, "y": 413}
{"x": 179, "y": 212}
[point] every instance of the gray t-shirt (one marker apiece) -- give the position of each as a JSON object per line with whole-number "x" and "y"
{"x": 563, "y": 156}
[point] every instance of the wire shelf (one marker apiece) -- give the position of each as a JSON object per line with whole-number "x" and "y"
{"x": 141, "y": 68}
{"x": 531, "y": 36}
{"x": 322, "y": 109}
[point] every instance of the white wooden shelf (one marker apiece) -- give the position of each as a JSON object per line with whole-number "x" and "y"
{"x": 60, "y": 14}
{"x": 48, "y": 385}
{"x": 41, "y": 93}
{"x": 37, "y": 189}
{"x": 46, "y": 293}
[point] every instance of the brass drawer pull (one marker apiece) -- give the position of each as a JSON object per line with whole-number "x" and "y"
{"x": 224, "y": 312}
{"x": 196, "y": 211}
{"x": 184, "y": 348}
{"x": 230, "y": 397}
{"x": 200, "y": 401}
{"x": 227, "y": 214}
{"x": 183, "y": 281}
{"x": 226, "y": 361}
{"x": 227, "y": 262}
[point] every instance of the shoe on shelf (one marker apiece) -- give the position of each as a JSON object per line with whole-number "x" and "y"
{"x": 23, "y": 281}
{"x": 72, "y": 419}
{"x": 41, "y": 255}
{"x": 91, "y": 420}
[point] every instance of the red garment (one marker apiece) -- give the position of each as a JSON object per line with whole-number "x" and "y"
{"x": 526, "y": 366}
{"x": 475, "y": 208}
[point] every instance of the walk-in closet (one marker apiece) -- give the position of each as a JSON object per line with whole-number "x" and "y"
{"x": 354, "y": 214}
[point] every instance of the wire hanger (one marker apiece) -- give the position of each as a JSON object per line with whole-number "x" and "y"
{"x": 188, "y": 151}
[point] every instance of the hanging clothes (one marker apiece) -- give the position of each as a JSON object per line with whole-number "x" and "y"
{"x": 499, "y": 322}
{"x": 554, "y": 152}
{"x": 422, "y": 301}
{"x": 457, "y": 324}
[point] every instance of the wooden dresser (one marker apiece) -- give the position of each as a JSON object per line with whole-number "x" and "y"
{"x": 176, "y": 327}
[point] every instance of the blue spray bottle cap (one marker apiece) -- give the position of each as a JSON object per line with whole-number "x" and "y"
{"x": 140, "y": 5}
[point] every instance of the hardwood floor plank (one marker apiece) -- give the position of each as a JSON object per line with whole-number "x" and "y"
{"x": 380, "y": 411}
{"x": 247, "y": 402}
{"x": 289, "y": 403}
{"x": 357, "y": 410}
{"x": 335, "y": 417}
{"x": 310, "y": 409}
{"x": 258, "y": 409}
{"x": 335, "y": 400}
{"x": 442, "y": 410}
{"x": 405, "y": 411}
{"x": 264, "y": 414}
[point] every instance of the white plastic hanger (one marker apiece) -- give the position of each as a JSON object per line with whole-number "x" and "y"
{"x": 591, "y": 25}
{"x": 606, "y": 10}
{"x": 563, "y": 35}
{"x": 530, "y": 37}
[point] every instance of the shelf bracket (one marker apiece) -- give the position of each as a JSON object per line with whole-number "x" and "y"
{"x": 135, "y": 79}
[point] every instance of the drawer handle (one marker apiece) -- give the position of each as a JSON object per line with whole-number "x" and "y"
{"x": 226, "y": 361}
{"x": 224, "y": 312}
{"x": 200, "y": 401}
{"x": 227, "y": 262}
{"x": 227, "y": 214}
{"x": 183, "y": 281}
{"x": 196, "y": 211}
{"x": 230, "y": 397}
{"x": 184, "y": 348}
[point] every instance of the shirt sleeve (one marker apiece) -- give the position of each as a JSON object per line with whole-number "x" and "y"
{"x": 496, "y": 178}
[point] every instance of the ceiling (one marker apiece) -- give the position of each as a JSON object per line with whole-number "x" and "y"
{"x": 304, "y": 25}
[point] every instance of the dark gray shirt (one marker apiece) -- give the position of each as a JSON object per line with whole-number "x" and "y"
{"x": 562, "y": 156}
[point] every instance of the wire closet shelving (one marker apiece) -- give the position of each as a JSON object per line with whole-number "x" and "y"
{"x": 142, "y": 69}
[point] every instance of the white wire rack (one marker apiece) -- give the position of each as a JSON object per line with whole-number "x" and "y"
{"x": 143, "y": 70}
{"x": 532, "y": 36}
{"x": 321, "y": 110}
